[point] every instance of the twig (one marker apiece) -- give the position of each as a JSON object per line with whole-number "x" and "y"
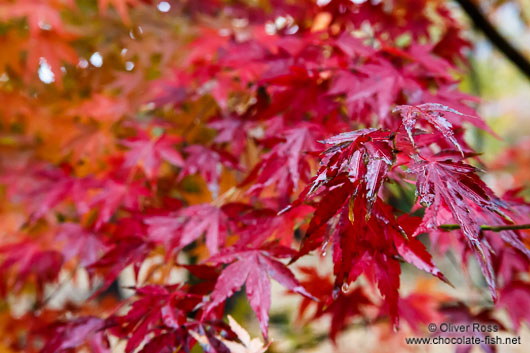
{"x": 486, "y": 227}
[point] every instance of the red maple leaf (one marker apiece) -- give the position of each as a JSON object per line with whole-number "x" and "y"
{"x": 125, "y": 251}
{"x": 26, "y": 260}
{"x": 515, "y": 299}
{"x": 185, "y": 226}
{"x": 80, "y": 242}
{"x": 46, "y": 188}
{"x": 438, "y": 115}
{"x": 342, "y": 307}
{"x": 286, "y": 163}
{"x": 208, "y": 163}
{"x": 252, "y": 268}
{"x": 148, "y": 153}
{"x": 442, "y": 184}
{"x": 72, "y": 334}
{"x": 112, "y": 194}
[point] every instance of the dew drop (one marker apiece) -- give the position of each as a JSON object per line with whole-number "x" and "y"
{"x": 46, "y": 74}
{"x": 323, "y": 247}
{"x": 345, "y": 287}
{"x": 164, "y": 6}
{"x": 335, "y": 293}
{"x": 96, "y": 59}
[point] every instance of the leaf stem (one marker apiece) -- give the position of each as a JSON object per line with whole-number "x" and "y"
{"x": 487, "y": 227}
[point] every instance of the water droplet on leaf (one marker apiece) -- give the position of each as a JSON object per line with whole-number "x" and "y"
{"x": 335, "y": 293}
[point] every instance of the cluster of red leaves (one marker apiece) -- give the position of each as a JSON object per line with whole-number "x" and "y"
{"x": 218, "y": 131}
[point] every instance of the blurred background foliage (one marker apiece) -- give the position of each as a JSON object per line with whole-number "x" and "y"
{"x": 504, "y": 94}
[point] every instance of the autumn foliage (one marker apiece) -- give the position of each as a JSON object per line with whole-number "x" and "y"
{"x": 226, "y": 141}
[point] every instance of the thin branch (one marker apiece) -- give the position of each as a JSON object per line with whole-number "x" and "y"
{"x": 41, "y": 304}
{"x": 481, "y": 22}
{"x": 485, "y": 227}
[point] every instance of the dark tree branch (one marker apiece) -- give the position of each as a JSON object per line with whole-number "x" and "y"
{"x": 492, "y": 228}
{"x": 481, "y": 22}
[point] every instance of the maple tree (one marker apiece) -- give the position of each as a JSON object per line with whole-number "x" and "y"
{"x": 224, "y": 141}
